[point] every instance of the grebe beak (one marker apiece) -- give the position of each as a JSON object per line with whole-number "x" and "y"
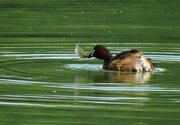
{"x": 90, "y": 55}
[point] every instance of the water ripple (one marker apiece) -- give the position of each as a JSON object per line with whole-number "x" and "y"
{"x": 42, "y": 105}
{"x": 167, "y": 56}
{"x": 107, "y": 98}
{"x": 42, "y": 56}
{"x": 116, "y": 88}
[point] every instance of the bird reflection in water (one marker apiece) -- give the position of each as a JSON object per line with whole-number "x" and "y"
{"x": 115, "y": 77}
{"x": 124, "y": 77}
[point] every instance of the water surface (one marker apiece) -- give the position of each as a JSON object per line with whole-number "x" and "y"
{"x": 42, "y": 81}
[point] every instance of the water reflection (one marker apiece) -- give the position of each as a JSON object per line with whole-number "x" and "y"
{"x": 109, "y": 76}
{"x": 141, "y": 77}
{"x": 116, "y": 77}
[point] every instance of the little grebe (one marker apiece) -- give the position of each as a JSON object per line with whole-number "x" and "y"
{"x": 132, "y": 60}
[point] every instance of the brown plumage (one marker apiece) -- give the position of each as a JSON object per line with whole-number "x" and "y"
{"x": 132, "y": 60}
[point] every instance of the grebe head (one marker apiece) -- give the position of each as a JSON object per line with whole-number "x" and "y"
{"x": 100, "y": 52}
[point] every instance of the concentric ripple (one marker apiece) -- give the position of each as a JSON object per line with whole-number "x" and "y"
{"x": 62, "y": 82}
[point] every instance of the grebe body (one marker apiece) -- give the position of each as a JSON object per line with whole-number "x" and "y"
{"x": 132, "y": 60}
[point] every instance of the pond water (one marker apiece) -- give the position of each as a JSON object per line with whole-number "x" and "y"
{"x": 43, "y": 81}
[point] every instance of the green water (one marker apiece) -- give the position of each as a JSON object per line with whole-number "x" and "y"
{"x": 43, "y": 82}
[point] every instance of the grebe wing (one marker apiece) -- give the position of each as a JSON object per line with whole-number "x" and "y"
{"x": 132, "y": 60}
{"x": 134, "y": 53}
